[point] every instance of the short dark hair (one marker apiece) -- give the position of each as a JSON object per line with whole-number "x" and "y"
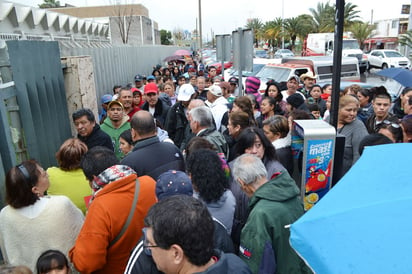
{"x": 205, "y": 168}
{"x": 70, "y": 154}
{"x": 380, "y": 92}
{"x": 96, "y": 160}
{"x": 247, "y": 139}
{"x": 143, "y": 124}
{"x": 189, "y": 225}
{"x": 51, "y": 259}
{"x": 373, "y": 140}
{"x": 197, "y": 143}
{"x": 19, "y": 183}
{"x": 83, "y": 112}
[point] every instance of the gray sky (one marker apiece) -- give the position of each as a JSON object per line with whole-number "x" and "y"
{"x": 225, "y": 16}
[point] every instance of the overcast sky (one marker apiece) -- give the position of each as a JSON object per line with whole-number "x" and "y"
{"x": 225, "y": 16}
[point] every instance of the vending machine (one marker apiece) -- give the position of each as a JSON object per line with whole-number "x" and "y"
{"x": 313, "y": 146}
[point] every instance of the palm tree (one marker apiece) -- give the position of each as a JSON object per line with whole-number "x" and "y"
{"x": 405, "y": 39}
{"x": 351, "y": 15}
{"x": 361, "y": 31}
{"x": 292, "y": 29}
{"x": 323, "y": 16}
{"x": 272, "y": 31}
{"x": 256, "y": 25}
{"x": 50, "y": 4}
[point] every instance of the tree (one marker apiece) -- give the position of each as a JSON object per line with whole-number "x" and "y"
{"x": 165, "y": 37}
{"x": 306, "y": 25}
{"x": 292, "y": 28}
{"x": 256, "y": 25}
{"x": 50, "y": 4}
{"x": 272, "y": 31}
{"x": 405, "y": 39}
{"x": 361, "y": 31}
{"x": 123, "y": 16}
{"x": 351, "y": 15}
{"x": 323, "y": 16}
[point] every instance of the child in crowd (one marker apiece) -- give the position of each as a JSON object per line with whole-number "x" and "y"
{"x": 52, "y": 261}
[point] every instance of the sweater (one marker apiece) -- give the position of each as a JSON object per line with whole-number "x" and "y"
{"x": 72, "y": 184}
{"x": 23, "y": 239}
{"x": 114, "y": 133}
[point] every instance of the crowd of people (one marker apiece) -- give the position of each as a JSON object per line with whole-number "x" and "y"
{"x": 182, "y": 173}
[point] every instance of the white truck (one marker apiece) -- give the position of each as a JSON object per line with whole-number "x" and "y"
{"x": 317, "y": 44}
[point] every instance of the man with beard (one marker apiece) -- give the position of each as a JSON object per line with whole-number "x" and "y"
{"x": 156, "y": 107}
{"x": 126, "y": 98}
{"x": 115, "y": 123}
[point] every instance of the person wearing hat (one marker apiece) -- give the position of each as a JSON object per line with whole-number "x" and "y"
{"x": 295, "y": 101}
{"x": 115, "y": 123}
{"x": 226, "y": 89}
{"x": 126, "y": 98}
{"x": 156, "y": 107}
{"x": 217, "y": 104}
{"x": 104, "y": 100}
{"x": 138, "y": 81}
{"x": 234, "y": 89}
{"x": 176, "y": 120}
{"x": 151, "y": 79}
{"x": 292, "y": 87}
{"x": 308, "y": 80}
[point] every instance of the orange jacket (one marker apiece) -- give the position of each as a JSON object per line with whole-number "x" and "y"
{"x": 105, "y": 218}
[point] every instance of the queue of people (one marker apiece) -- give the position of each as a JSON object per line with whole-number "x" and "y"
{"x": 181, "y": 174}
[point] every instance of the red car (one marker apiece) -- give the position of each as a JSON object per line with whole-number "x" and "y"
{"x": 218, "y": 66}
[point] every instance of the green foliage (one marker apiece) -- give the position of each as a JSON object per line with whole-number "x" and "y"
{"x": 50, "y": 4}
{"x": 406, "y": 39}
{"x": 361, "y": 31}
{"x": 165, "y": 37}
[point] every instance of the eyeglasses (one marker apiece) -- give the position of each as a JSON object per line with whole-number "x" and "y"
{"x": 146, "y": 246}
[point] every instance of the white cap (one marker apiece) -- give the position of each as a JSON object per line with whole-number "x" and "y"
{"x": 215, "y": 90}
{"x": 185, "y": 92}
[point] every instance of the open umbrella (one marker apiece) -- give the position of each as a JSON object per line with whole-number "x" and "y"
{"x": 401, "y": 75}
{"x": 363, "y": 224}
{"x": 173, "y": 58}
{"x": 182, "y": 52}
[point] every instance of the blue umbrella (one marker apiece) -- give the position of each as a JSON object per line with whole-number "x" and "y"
{"x": 364, "y": 223}
{"x": 401, "y": 75}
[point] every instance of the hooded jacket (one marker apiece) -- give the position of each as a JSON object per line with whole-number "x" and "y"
{"x": 106, "y": 216}
{"x": 265, "y": 240}
{"x": 114, "y": 133}
{"x": 161, "y": 110}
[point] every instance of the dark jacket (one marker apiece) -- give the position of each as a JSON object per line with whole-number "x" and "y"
{"x": 176, "y": 123}
{"x": 97, "y": 138}
{"x": 161, "y": 110}
{"x": 371, "y": 122}
{"x": 152, "y": 157}
{"x": 274, "y": 204}
{"x": 140, "y": 262}
{"x": 217, "y": 139}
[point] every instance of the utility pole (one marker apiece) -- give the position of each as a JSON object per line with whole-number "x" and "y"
{"x": 200, "y": 25}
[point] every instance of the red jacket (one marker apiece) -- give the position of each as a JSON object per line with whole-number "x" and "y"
{"x": 104, "y": 220}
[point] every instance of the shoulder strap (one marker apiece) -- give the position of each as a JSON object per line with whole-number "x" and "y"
{"x": 131, "y": 213}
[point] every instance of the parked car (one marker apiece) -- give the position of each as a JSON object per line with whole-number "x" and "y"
{"x": 387, "y": 58}
{"x": 261, "y": 53}
{"x": 280, "y": 53}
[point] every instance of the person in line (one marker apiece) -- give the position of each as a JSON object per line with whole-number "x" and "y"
{"x": 68, "y": 178}
{"x": 88, "y": 131}
{"x": 126, "y": 97}
{"x": 150, "y": 156}
{"x": 308, "y": 80}
{"x": 381, "y": 104}
{"x": 112, "y": 227}
{"x": 156, "y": 107}
{"x": 52, "y": 261}
{"x": 126, "y": 143}
{"x": 187, "y": 245}
{"x": 366, "y": 108}
{"x": 115, "y": 123}
{"x": 398, "y": 107}
{"x": 273, "y": 90}
{"x": 32, "y": 222}
{"x": 211, "y": 185}
{"x": 352, "y": 128}
{"x": 274, "y": 204}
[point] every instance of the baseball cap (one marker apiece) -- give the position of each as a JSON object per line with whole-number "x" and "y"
{"x": 233, "y": 80}
{"x": 294, "y": 77}
{"x": 150, "y": 88}
{"x": 215, "y": 90}
{"x": 114, "y": 103}
{"x": 138, "y": 78}
{"x": 173, "y": 182}
{"x": 135, "y": 90}
{"x": 185, "y": 92}
{"x": 150, "y": 77}
{"x": 106, "y": 98}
